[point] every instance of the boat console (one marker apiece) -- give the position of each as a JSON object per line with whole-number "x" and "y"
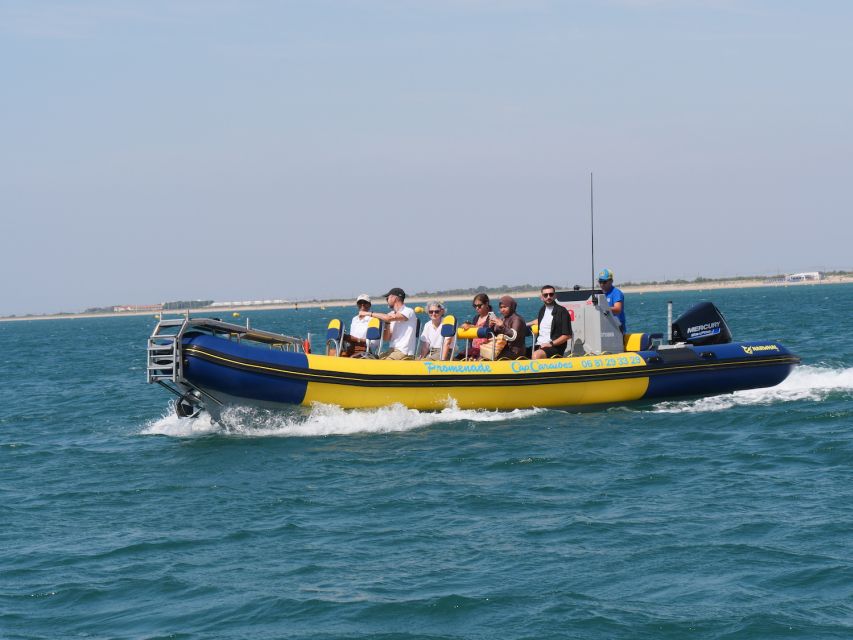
{"x": 595, "y": 329}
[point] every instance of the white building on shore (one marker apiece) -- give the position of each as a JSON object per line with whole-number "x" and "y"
{"x": 816, "y": 276}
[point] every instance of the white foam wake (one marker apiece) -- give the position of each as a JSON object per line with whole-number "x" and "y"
{"x": 169, "y": 424}
{"x": 320, "y": 420}
{"x": 804, "y": 383}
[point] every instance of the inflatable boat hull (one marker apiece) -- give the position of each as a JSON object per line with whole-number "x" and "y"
{"x": 223, "y": 372}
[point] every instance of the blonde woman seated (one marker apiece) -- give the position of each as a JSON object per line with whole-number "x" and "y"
{"x": 434, "y": 346}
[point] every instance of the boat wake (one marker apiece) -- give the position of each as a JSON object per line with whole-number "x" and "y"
{"x": 804, "y": 383}
{"x": 321, "y": 420}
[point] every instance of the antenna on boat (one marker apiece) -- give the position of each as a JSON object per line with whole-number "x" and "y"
{"x": 592, "y": 240}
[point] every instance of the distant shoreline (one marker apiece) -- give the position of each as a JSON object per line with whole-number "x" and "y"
{"x": 657, "y": 288}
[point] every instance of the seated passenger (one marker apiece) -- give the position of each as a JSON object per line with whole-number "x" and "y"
{"x": 555, "y": 327}
{"x": 400, "y": 325}
{"x": 481, "y": 319}
{"x": 354, "y": 341}
{"x": 434, "y": 346}
{"x": 512, "y": 326}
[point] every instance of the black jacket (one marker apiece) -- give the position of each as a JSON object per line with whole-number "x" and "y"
{"x": 561, "y": 324}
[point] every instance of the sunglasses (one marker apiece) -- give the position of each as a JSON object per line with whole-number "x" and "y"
{"x": 431, "y": 311}
{"x": 548, "y": 295}
{"x": 477, "y": 306}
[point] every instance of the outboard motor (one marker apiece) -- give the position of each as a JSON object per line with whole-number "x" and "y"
{"x": 700, "y": 325}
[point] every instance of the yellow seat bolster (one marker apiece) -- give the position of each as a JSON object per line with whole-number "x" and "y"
{"x": 635, "y": 341}
{"x": 466, "y": 334}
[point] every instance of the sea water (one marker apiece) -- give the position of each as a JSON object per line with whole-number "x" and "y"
{"x": 721, "y": 517}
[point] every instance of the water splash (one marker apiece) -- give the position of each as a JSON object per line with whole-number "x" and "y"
{"x": 804, "y": 383}
{"x": 169, "y": 424}
{"x": 321, "y": 420}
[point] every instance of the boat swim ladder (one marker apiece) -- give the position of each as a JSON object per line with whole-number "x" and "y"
{"x": 164, "y": 351}
{"x": 165, "y": 365}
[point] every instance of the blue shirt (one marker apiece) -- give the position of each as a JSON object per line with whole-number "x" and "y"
{"x": 613, "y": 297}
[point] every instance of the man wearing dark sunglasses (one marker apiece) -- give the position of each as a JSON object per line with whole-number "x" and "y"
{"x": 555, "y": 326}
{"x": 400, "y": 326}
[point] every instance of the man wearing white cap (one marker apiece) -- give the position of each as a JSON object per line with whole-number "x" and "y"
{"x": 615, "y": 297}
{"x": 358, "y": 328}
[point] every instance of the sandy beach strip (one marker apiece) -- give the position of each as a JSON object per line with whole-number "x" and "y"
{"x": 422, "y": 300}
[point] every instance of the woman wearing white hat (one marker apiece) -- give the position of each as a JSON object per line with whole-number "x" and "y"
{"x": 356, "y": 342}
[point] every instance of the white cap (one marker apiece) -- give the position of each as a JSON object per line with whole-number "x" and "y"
{"x": 363, "y": 297}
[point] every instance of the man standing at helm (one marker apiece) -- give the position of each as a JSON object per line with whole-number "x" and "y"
{"x": 615, "y": 297}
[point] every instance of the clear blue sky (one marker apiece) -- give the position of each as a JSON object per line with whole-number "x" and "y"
{"x": 158, "y": 150}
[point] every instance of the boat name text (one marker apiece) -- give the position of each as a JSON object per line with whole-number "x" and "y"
{"x": 435, "y": 367}
{"x": 556, "y": 364}
{"x": 750, "y": 349}
{"x": 535, "y": 366}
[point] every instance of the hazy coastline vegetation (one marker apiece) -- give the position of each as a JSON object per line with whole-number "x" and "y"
{"x": 463, "y": 291}
{"x": 628, "y": 283}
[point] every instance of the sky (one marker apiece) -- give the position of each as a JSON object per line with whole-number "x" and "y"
{"x": 240, "y": 150}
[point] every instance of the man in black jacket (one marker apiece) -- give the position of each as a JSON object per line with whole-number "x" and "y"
{"x": 555, "y": 326}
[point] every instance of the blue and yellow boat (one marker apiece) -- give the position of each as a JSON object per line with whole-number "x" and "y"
{"x": 210, "y": 364}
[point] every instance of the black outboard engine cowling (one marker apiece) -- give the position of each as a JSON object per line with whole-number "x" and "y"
{"x": 700, "y": 325}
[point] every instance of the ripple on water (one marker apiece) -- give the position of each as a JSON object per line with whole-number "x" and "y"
{"x": 712, "y": 518}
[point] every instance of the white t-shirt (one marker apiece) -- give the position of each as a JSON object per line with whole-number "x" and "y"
{"x": 358, "y": 329}
{"x": 431, "y": 335}
{"x": 545, "y": 326}
{"x": 403, "y": 332}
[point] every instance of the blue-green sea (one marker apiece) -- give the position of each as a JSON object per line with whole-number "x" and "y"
{"x": 721, "y": 517}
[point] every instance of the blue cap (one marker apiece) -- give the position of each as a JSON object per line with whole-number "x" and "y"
{"x": 604, "y": 275}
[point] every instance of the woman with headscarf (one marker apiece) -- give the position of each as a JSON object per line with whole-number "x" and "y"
{"x": 512, "y": 325}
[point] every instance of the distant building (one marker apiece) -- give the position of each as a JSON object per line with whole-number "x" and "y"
{"x": 804, "y": 276}
{"x": 247, "y": 303}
